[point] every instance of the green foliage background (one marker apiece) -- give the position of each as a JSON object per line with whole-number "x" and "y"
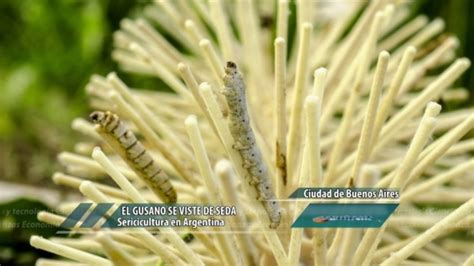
{"x": 49, "y": 49}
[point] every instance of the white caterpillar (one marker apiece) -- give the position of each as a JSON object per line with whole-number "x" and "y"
{"x": 136, "y": 155}
{"x": 244, "y": 142}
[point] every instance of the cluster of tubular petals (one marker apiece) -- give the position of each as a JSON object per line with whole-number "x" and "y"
{"x": 368, "y": 117}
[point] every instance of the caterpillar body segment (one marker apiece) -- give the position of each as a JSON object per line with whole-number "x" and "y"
{"x": 135, "y": 154}
{"x": 275, "y": 216}
{"x": 245, "y": 144}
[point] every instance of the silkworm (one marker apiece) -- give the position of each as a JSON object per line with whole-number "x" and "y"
{"x": 244, "y": 142}
{"x": 136, "y": 155}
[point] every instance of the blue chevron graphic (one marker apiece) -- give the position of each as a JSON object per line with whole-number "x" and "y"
{"x": 98, "y": 212}
{"x": 76, "y": 215}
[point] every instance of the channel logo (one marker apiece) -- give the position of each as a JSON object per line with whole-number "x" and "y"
{"x": 320, "y": 220}
{"x": 344, "y": 215}
{"x": 324, "y": 219}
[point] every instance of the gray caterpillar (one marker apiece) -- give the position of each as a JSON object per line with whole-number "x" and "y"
{"x": 136, "y": 155}
{"x": 244, "y": 142}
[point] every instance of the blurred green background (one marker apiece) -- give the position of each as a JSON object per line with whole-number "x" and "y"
{"x": 49, "y": 49}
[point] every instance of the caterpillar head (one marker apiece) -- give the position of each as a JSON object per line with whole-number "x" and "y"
{"x": 233, "y": 78}
{"x": 230, "y": 68}
{"x": 103, "y": 118}
{"x": 97, "y": 117}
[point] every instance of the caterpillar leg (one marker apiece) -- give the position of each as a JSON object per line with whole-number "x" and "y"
{"x": 253, "y": 181}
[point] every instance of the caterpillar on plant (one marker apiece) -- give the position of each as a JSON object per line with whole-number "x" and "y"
{"x": 244, "y": 142}
{"x": 135, "y": 155}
